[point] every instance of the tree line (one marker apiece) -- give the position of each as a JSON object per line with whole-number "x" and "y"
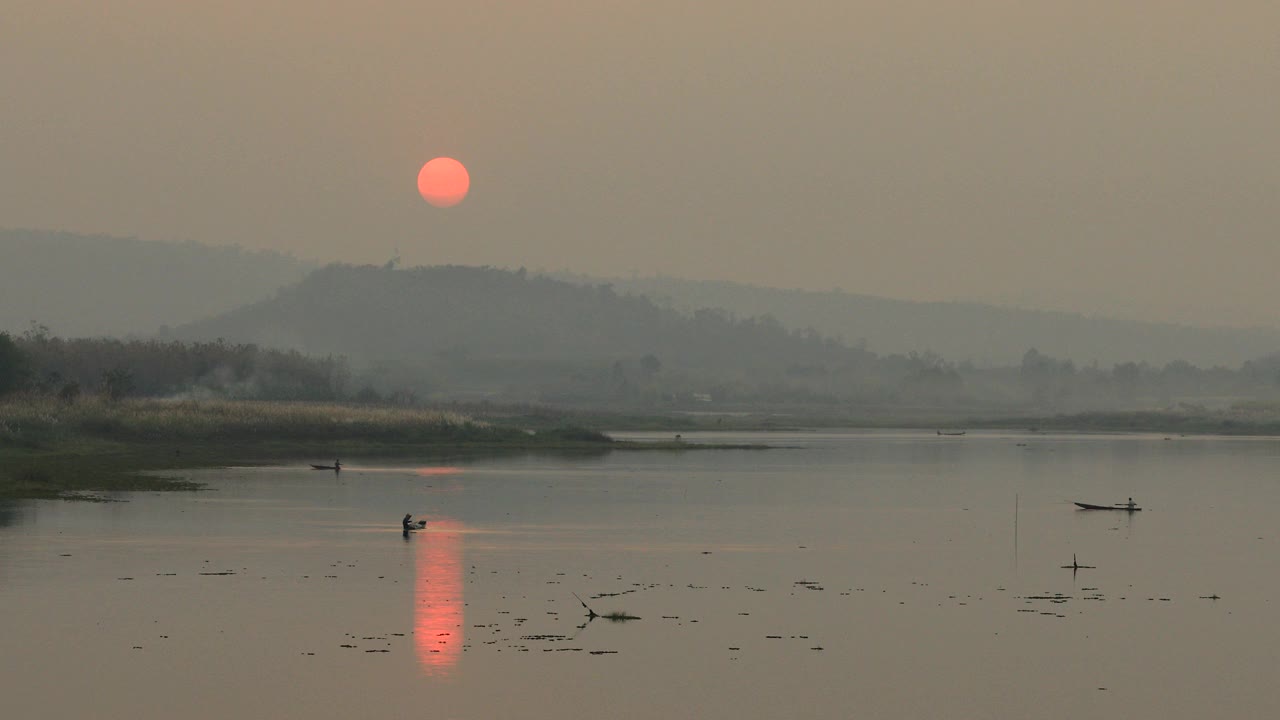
{"x": 38, "y": 362}
{"x": 820, "y": 372}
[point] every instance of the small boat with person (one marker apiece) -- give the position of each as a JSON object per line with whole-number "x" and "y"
{"x": 1126, "y": 507}
{"x": 336, "y": 466}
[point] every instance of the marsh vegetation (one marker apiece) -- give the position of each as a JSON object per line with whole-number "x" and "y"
{"x": 50, "y": 447}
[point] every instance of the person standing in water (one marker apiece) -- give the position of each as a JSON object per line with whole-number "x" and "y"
{"x": 409, "y": 524}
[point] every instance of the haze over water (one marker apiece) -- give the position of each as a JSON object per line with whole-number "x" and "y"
{"x": 868, "y": 574}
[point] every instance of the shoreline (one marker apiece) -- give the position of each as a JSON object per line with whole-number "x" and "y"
{"x": 1224, "y": 424}
{"x": 89, "y": 469}
{"x": 88, "y": 472}
{"x": 53, "y": 450}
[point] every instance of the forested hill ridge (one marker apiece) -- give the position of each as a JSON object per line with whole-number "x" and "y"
{"x": 489, "y": 328}
{"x": 98, "y": 286}
{"x": 95, "y": 286}
{"x": 372, "y": 313}
{"x": 481, "y": 333}
{"x": 982, "y": 334}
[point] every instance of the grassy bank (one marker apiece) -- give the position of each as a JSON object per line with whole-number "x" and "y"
{"x": 54, "y": 449}
{"x": 92, "y": 447}
{"x": 38, "y": 419}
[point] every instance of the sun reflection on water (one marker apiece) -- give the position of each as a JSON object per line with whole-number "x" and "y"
{"x": 437, "y": 597}
{"x": 432, "y": 471}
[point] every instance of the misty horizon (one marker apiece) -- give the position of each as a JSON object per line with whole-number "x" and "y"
{"x": 1113, "y": 159}
{"x": 117, "y": 282}
{"x": 312, "y": 262}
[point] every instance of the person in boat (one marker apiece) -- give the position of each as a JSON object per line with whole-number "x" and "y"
{"x": 409, "y": 524}
{"x": 1130, "y": 504}
{"x": 337, "y": 464}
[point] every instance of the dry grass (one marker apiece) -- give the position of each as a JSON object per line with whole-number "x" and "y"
{"x": 38, "y": 419}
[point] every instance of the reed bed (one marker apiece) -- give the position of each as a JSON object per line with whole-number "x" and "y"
{"x": 41, "y": 419}
{"x": 92, "y": 446}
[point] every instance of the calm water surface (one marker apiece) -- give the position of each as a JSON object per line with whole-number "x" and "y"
{"x": 855, "y": 574}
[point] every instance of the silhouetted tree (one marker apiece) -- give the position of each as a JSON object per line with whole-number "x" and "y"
{"x": 117, "y": 383}
{"x": 1127, "y": 376}
{"x": 650, "y": 365}
{"x": 14, "y": 365}
{"x": 69, "y": 392}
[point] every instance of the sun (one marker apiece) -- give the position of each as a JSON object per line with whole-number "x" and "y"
{"x": 443, "y": 182}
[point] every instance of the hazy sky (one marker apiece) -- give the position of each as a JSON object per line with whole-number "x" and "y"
{"x": 1112, "y": 156}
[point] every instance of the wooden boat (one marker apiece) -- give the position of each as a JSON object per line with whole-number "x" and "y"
{"x": 957, "y": 432}
{"x": 326, "y": 467}
{"x": 1122, "y": 506}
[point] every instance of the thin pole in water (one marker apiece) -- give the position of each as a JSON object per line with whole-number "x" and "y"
{"x": 1015, "y": 531}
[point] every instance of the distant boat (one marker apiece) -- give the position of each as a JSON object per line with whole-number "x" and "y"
{"x": 952, "y": 432}
{"x": 326, "y": 467}
{"x": 1127, "y": 507}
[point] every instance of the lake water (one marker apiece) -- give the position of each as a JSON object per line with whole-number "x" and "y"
{"x": 868, "y": 574}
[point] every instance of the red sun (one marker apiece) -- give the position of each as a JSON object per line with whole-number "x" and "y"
{"x": 443, "y": 182}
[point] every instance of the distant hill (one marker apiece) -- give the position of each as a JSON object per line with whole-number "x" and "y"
{"x": 468, "y": 333}
{"x": 983, "y": 334}
{"x": 495, "y": 331}
{"x": 96, "y": 286}
{"x": 82, "y": 285}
